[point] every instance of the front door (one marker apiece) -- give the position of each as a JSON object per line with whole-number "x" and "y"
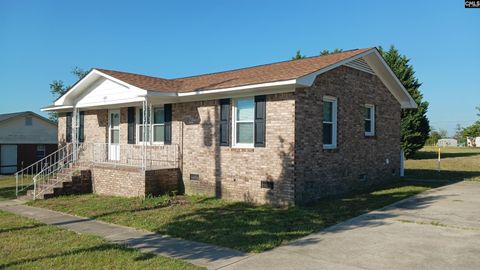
{"x": 114, "y": 135}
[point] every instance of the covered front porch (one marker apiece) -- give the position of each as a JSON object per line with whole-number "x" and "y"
{"x": 146, "y": 157}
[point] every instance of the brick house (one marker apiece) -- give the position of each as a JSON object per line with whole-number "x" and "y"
{"x": 280, "y": 133}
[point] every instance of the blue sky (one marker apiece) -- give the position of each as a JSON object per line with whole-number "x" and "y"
{"x": 43, "y": 40}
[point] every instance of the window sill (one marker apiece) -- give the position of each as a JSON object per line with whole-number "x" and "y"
{"x": 243, "y": 146}
{"x": 330, "y": 150}
{"x": 153, "y": 143}
{"x": 242, "y": 149}
{"x": 370, "y": 136}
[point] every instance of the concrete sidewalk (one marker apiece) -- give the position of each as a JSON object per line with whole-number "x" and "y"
{"x": 437, "y": 229}
{"x": 205, "y": 255}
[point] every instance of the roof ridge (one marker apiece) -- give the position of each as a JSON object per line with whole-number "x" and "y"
{"x": 268, "y": 64}
{"x": 179, "y": 79}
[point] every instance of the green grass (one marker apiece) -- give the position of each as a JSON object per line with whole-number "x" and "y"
{"x": 256, "y": 228}
{"x": 27, "y": 244}
{"x": 456, "y": 164}
{"x": 7, "y": 187}
{"x": 241, "y": 226}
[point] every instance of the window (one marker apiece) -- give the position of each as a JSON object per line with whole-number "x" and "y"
{"x": 40, "y": 151}
{"x": 329, "y": 122}
{"x": 369, "y": 120}
{"x": 28, "y": 121}
{"x": 243, "y": 124}
{"x": 158, "y": 124}
{"x": 157, "y": 131}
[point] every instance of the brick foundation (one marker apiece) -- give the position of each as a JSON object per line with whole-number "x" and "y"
{"x": 134, "y": 182}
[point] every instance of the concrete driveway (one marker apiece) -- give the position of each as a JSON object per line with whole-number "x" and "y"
{"x": 439, "y": 229}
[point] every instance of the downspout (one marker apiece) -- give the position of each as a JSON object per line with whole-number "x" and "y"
{"x": 402, "y": 164}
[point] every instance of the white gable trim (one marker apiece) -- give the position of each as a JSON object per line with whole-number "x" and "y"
{"x": 372, "y": 57}
{"x": 382, "y": 70}
{"x": 90, "y": 78}
{"x": 308, "y": 79}
{"x": 386, "y": 75}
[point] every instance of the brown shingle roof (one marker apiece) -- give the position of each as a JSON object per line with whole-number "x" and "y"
{"x": 280, "y": 71}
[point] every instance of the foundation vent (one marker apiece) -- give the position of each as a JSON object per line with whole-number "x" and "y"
{"x": 266, "y": 184}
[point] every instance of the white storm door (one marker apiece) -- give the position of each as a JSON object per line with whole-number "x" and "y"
{"x": 8, "y": 158}
{"x": 114, "y": 135}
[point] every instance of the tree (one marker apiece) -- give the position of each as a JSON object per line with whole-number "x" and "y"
{"x": 459, "y": 135}
{"x": 326, "y": 52}
{"x": 298, "y": 55}
{"x": 472, "y": 131}
{"x": 414, "y": 124}
{"x": 433, "y": 138}
{"x": 58, "y": 88}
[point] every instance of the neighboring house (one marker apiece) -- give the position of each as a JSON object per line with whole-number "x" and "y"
{"x": 280, "y": 133}
{"x": 473, "y": 141}
{"x": 25, "y": 137}
{"x": 447, "y": 142}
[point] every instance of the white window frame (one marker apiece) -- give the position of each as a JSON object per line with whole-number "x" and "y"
{"x": 44, "y": 151}
{"x": 151, "y": 126}
{"x": 333, "y": 100}
{"x": 371, "y": 119}
{"x": 234, "y": 123}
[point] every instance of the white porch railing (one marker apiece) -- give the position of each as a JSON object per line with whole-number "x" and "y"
{"x": 65, "y": 160}
{"x": 134, "y": 155}
{"x": 46, "y": 168}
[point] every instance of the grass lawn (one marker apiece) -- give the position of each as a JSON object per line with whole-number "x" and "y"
{"x": 240, "y": 226}
{"x": 27, "y": 244}
{"x": 456, "y": 164}
{"x": 255, "y": 228}
{"x": 7, "y": 187}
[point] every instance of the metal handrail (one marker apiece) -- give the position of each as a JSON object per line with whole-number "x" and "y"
{"x": 27, "y": 174}
{"x": 51, "y": 172}
{"x": 134, "y": 155}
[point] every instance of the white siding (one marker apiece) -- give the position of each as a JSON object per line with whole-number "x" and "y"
{"x": 105, "y": 91}
{"x": 15, "y": 131}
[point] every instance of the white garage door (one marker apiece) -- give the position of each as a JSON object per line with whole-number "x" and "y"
{"x": 8, "y": 158}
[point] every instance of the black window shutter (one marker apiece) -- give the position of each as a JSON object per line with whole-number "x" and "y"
{"x": 260, "y": 120}
{"x": 225, "y": 122}
{"x": 168, "y": 123}
{"x": 131, "y": 125}
{"x": 68, "y": 131}
{"x": 81, "y": 134}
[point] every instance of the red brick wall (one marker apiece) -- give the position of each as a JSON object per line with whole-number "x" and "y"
{"x": 235, "y": 173}
{"x": 320, "y": 172}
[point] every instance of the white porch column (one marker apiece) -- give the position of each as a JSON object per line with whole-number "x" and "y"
{"x": 75, "y": 133}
